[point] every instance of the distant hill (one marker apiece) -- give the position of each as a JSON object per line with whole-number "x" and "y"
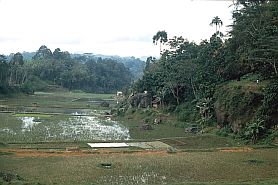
{"x": 135, "y": 65}
{"x": 28, "y": 55}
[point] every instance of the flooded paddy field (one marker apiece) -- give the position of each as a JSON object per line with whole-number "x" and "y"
{"x": 58, "y": 117}
{"x": 37, "y": 128}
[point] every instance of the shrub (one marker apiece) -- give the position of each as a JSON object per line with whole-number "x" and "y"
{"x": 223, "y": 132}
{"x": 130, "y": 111}
{"x": 269, "y": 106}
{"x": 34, "y": 84}
{"x": 27, "y": 88}
{"x": 187, "y": 112}
{"x": 104, "y": 104}
{"x": 254, "y": 129}
{"x": 271, "y": 135}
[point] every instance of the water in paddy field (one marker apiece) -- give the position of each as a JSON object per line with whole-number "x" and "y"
{"x": 91, "y": 127}
{"x": 68, "y": 128}
{"x": 28, "y": 123}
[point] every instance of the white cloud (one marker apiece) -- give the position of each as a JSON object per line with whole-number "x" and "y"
{"x": 123, "y": 27}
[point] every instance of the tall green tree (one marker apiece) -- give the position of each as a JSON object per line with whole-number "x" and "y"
{"x": 43, "y": 53}
{"x": 17, "y": 59}
{"x": 61, "y": 55}
{"x": 161, "y": 37}
{"x": 17, "y": 71}
{"x": 4, "y": 72}
{"x": 217, "y": 22}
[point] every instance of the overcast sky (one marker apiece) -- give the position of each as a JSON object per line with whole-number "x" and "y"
{"x": 113, "y": 27}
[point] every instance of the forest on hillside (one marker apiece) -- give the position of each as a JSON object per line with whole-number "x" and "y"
{"x": 229, "y": 79}
{"x": 30, "y": 72}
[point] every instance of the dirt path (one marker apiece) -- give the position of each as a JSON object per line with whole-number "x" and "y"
{"x": 56, "y": 153}
{"x": 79, "y": 153}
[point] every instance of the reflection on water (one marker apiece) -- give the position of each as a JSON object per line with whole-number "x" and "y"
{"x": 93, "y": 128}
{"x": 7, "y": 130}
{"x": 77, "y": 127}
{"x": 28, "y": 123}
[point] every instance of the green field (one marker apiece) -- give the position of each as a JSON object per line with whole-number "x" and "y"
{"x": 254, "y": 167}
{"x": 43, "y": 141}
{"x": 58, "y": 100}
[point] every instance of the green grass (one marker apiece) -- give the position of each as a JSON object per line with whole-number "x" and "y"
{"x": 135, "y": 120}
{"x": 48, "y": 145}
{"x": 249, "y": 83}
{"x": 62, "y": 100}
{"x": 200, "y": 141}
{"x": 157, "y": 132}
{"x": 33, "y": 115}
{"x": 6, "y": 153}
{"x": 180, "y": 168}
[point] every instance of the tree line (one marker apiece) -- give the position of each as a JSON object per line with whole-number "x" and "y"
{"x": 61, "y": 69}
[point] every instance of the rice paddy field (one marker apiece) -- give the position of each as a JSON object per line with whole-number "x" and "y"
{"x": 46, "y": 117}
{"x": 43, "y": 140}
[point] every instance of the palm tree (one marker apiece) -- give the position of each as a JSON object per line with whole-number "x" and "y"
{"x": 217, "y": 22}
{"x": 160, "y": 36}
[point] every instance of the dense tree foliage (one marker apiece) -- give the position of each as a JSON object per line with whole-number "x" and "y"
{"x": 188, "y": 69}
{"x": 183, "y": 72}
{"x": 59, "y": 68}
{"x": 255, "y": 37}
{"x": 135, "y": 65}
{"x": 189, "y": 72}
{"x": 4, "y": 72}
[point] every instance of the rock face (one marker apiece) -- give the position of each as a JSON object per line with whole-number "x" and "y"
{"x": 140, "y": 100}
{"x": 236, "y": 105}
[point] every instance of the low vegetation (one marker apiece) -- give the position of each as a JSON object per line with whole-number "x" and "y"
{"x": 250, "y": 167}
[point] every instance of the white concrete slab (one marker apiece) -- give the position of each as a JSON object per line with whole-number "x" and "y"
{"x": 145, "y": 145}
{"x": 108, "y": 145}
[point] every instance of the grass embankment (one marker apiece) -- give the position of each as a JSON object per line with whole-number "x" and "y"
{"x": 239, "y": 102}
{"x": 135, "y": 120}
